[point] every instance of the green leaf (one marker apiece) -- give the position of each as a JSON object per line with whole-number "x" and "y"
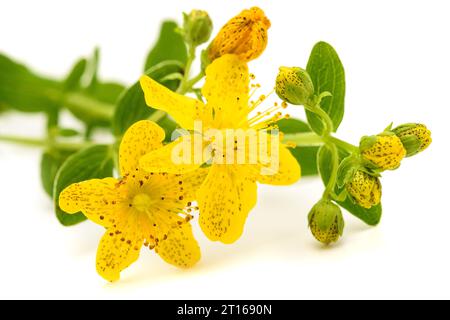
{"x": 73, "y": 80}
{"x": 108, "y": 92}
{"x": 327, "y": 74}
{"x": 67, "y": 132}
{"x": 95, "y": 107}
{"x": 92, "y": 70}
{"x": 51, "y": 161}
{"x": 94, "y": 103}
{"x": 169, "y": 46}
{"x": 131, "y": 108}
{"x": 89, "y": 109}
{"x": 23, "y": 90}
{"x": 370, "y": 216}
{"x": 306, "y": 156}
{"x": 89, "y": 163}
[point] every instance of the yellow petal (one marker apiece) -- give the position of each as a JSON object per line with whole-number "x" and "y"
{"x": 180, "y": 248}
{"x": 183, "y": 109}
{"x": 180, "y": 156}
{"x": 192, "y": 182}
{"x": 141, "y": 138}
{"x": 119, "y": 247}
{"x": 225, "y": 199}
{"x": 226, "y": 90}
{"x": 244, "y": 35}
{"x": 286, "y": 172}
{"x": 98, "y": 199}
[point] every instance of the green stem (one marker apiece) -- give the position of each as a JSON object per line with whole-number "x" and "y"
{"x": 24, "y": 141}
{"x": 71, "y": 146}
{"x": 306, "y": 139}
{"x": 310, "y": 139}
{"x": 194, "y": 80}
{"x": 156, "y": 116}
{"x": 44, "y": 143}
{"x": 350, "y": 148}
{"x": 325, "y": 119}
{"x": 82, "y": 104}
{"x": 334, "y": 169}
{"x": 186, "y": 84}
{"x": 88, "y": 133}
{"x": 52, "y": 120}
{"x": 172, "y": 76}
{"x": 183, "y": 88}
{"x": 330, "y": 142}
{"x": 164, "y": 64}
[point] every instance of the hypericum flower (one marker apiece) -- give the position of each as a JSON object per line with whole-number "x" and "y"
{"x": 139, "y": 209}
{"x": 294, "y": 85}
{"x": 244, "y": 35}
{"x": 415, "y": 137}
{"x": 229, "y": 191}
{"x": 326, "y": 222}
{"x": 364, "y": 189}
{"x": 382, "y": 152}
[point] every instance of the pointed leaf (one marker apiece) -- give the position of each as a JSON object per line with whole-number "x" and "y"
{"x": 327, "y": 74}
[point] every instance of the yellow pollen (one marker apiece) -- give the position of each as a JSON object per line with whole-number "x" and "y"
{"x": 142, "y": 202}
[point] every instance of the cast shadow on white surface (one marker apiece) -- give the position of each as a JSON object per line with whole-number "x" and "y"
{"x": 276, "y": 230}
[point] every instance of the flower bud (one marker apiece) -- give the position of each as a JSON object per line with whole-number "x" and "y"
{"x": 326, "y": 222}
{"x": 364, "y": 189}
{"x": 294, "y": 85}
{"x": 197, "y": 27}
{"x": 244, "y": 35}
{"x": 415, "y": 137}
{"x": 382, "y": 152}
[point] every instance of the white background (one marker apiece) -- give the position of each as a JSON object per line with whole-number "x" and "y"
{"x": 397, "y": 60}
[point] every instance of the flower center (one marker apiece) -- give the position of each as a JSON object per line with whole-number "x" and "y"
{"x": 142, "y": 202}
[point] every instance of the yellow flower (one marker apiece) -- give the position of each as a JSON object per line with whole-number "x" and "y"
{"x": 382, "y": 152}
{"x": 244, "y": 35}
{"x": 229, "y": 191}
{"x": 140, "y": 208}
{"x": 415, "y": 137}
{"x": 364, "y": 189}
